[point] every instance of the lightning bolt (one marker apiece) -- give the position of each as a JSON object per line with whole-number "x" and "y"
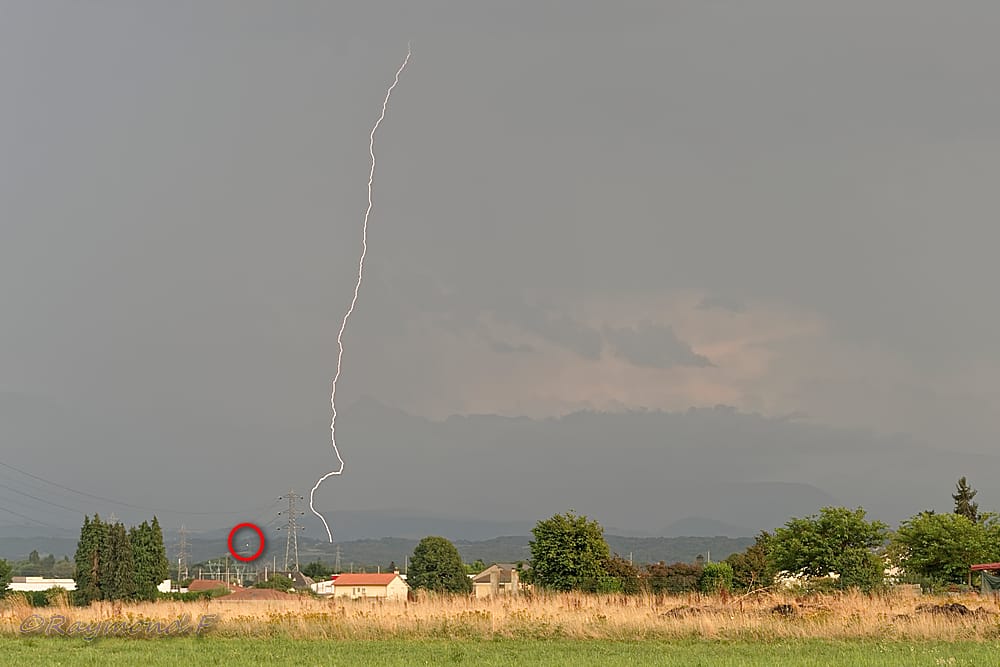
{"x": 354, "y": 301}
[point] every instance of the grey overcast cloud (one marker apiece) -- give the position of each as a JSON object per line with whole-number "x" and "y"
{"x": 650, "y": 261}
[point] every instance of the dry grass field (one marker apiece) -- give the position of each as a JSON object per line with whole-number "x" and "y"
{"x": 760, "y": 617}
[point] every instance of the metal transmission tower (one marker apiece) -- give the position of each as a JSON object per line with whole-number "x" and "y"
{"x": 182, "y": 555}
{"x": 336, "y": 565}
{"x": 292, "y": 536}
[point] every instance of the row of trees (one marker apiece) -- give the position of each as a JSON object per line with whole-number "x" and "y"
{"x": 115, "y": 563}
{"x": 569, "y": 553}
{"x": 37, "y": 565}
{"x": 930, "y": 548}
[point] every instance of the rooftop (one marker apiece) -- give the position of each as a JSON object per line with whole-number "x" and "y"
{"x": 371, "y": 579}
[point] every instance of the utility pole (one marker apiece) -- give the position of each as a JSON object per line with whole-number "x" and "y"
{"x": 336, "y": 563}
{"x": 292, "y": 536}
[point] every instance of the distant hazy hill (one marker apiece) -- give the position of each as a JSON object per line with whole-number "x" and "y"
{"x": 382, "y": 551}
{"x": 701, "y": 527}
{"x": 18, "y": 548}
{"x": 515, "y": 548}
{"x": 478, "y": 476}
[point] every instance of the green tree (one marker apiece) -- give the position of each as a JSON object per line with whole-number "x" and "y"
{"x": 942, "y": 546}
{"x": 139, "y": 542}
{"x": 32, "y": 567}
{"x": 317, "y": 570}
{"x": 149, "y": 558}
{"x": 93, "y": 539}
{"x": 832, "y": 541}
{"x": 716, "y": 577}
{"x": 116, "y": 572}
{"x": 475, "y": 567}
{"x": 437, "y": 566}
{"x": 48, "y": 565}
{"x": 621, "y": 576}
{"x": 568, "y": 552}
{"x": 5, "y": 575}
{"x": 64, "y": 569}
{"x": 161, "y": 563}
{"x": 963, "y": 501}
{"x": 861, "y": 568}
{"x": 156, "y": 559}
{"x": 753, "y": 567}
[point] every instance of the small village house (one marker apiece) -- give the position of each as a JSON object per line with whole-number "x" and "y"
{"x": 498, "y": 579}
{"x": 384, "y": 586}
{"x": 324, "y": 586}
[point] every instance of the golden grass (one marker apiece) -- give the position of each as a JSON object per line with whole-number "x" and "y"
{"x": 565, "y": 615}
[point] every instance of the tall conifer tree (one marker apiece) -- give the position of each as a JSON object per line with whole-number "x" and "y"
{"x": 161, "y": 566}
{"x": 963, "y": 501}
{"x": 150, "y": 558}
{"x": 117, "y": 566}
{"x": 88, "y": 560}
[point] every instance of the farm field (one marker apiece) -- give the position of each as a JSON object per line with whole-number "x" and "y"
{"x": 558, "y": 629}
{"x": 304, "y": 652}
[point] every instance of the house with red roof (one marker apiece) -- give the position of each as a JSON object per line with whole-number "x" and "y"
{"x": 382, "y": 586}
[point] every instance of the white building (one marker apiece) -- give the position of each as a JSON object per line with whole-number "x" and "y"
{"x": 40, "y": 584}
{"x": 323, "y": 587}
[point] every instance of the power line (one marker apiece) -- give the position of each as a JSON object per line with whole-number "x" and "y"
{"x": 124, "y": 504}
{"x": 32, "y": 507}
{"x": 23, "y": 516}
{"x": 267, "y": 511}
{"x": 41, "y": 500}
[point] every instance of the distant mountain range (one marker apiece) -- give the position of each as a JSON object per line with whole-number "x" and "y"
{"x": 374, "y": 553}
{"x": 701, "y": 472}
{"x": 362, "y": 539}
{"x": 697, "y": 526}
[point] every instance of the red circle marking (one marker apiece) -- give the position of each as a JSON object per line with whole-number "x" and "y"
{"x": 233, "y": 532}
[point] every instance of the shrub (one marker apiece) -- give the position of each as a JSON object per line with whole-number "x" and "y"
{"x": 193, "y": 596}
{"x": 278, "y": 581}
{"x": 716, "y": 578}
{"x": 676, "y": 578}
